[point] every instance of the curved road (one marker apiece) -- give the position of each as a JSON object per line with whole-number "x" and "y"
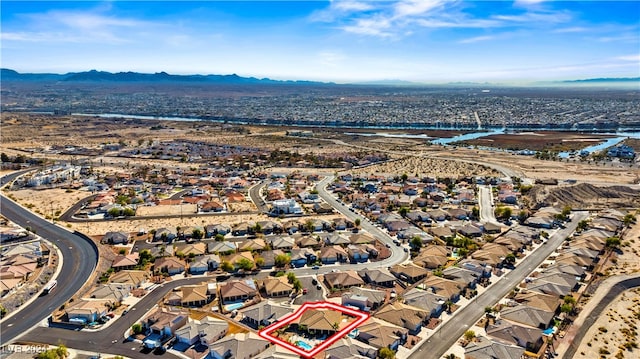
{"x": 622, "y": 285}
{"x": 397, "y": 254}
{"x": 80, "y": 258}
{"x": 103, "y": 340}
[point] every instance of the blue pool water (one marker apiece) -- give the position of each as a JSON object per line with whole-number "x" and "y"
{"x": 303, "y": 345}
{"x": 354, "y": 333}
{"x": 232, "y": 306}
{"x": 548, "y": 331}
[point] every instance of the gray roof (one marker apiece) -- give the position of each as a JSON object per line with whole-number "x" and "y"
{"x": 485, "y": 348}
{"x": 528, "y": 315}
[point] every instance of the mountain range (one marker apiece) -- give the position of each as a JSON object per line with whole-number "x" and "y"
{"x": 129, "y": 77}
{"x": 104, "y": 76}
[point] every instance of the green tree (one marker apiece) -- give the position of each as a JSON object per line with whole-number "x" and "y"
{"x": 629, "y": 219}
{"x": 291, "y": 277}
{"x": 416, "y": 243}
{"x": 4, "y": 157}
{"x": 403, "y": 211}
{"x": 386, "y": 353}
{"x": 566, "y": 308}
{"x": 506, "y": 213}
{"x": 259, "y": 261}
{"x": 469, "y": 335}
{"x": 613, "y": 242}
{"x": 3, "y": 311}
{"x": 245, "y": 264}
{"x": 582, "y": 225}
{"x": 510, "y": 258}
{"x": 357, "y": 222}
{"x": 226, "y": 266}
{"x": 129, "y": 212}
{"x": 197, "y": 233}
{"x": 569, "y": 299}
{"x": 297, "y": 285}
{"x": 219, "y": 237}
{"x": 475, "y": 212}
{"x": 114, "y": 212}
{"x": 136, "y": 328}
{"x": 282, "y": 260}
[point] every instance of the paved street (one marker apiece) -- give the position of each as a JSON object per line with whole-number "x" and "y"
{"x": 485, "y": 203}
{"x": 446, "y": 335}
{"x": 80, "y": 258}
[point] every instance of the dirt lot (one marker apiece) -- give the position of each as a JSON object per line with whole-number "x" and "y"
{"x": 614, "y": 334}
{"x": 538, "y": 141}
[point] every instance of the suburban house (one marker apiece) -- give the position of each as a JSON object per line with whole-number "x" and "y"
{"x": 223, "y": 247}
{"x": 238, "y": 346}
{"x": 132, "y": 278}
{"x": 237, "y": 290}
{"x": 382, "y": 335}
{"x": 86, "y": 311}
{"x": 410, "y": 273}
{"x": 529, "y": 338}
{"x": 333, "y": 254}
{"x": 403, "y": 316}
{"x": 165, "y": 234}
{"x": 348, "y": 348}
{"x": 116, "y": 238}
{"x": 264, "y": 314}
{"x": 169, "y": 265}
{"x": 463, "y": 276}
{"x": 444, "y": 287}
{"x": 164, "y": 322}
{"x": 194, "y": 295}
{"x": 204, "y": 332}
{"x": 377, "y": 277}
{"x": 316, "y": 321}
{"x": 342, "y": 280}
{"x": 530, "y": 316}
{"x": 363, "y": 298}
{"x": 276, "y": 287}
{"x": 484, "y": 348}
{"x": 204, "y": 264}
{"x": 122, "y": 261}
{"x": 113, "y": 292}
{"x": 426, "y": 300}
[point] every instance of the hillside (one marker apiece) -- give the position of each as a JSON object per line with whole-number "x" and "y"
{"x": 584, "y": 195}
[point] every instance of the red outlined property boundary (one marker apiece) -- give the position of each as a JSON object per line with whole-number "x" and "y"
{"x": 266, "y": 332}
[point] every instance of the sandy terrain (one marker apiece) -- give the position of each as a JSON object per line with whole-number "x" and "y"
{"x": 46, "y": 202}
{"x": 614, "y": 334}
{"x": 421, "y": 167}
{"x": 628, "y": 262}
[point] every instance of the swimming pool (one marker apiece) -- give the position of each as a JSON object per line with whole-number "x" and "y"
{"x": 232, "y": 306}
{"x": 303, "y": 345}
{"x": 549, "y": 331}
{"x": 354, "y": 333}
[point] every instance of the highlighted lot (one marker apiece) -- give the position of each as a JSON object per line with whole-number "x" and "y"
{"x": 314, "y": 327}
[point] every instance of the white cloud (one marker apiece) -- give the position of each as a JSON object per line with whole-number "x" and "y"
{"x": 571, "y": 29}
{"x": 415, "y": 7}
{"x": 635, "y": 57}
{"x": 476, "y": 39}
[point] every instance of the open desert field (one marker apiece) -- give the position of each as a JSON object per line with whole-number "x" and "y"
{"x": 538, "y": 141}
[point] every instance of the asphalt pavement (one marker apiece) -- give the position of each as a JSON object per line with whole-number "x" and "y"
{"x": 445, "y": 336}
{"x": 79, "y": 259}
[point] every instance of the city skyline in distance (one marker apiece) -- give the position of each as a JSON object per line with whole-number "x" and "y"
{"x": 337, "y": 41}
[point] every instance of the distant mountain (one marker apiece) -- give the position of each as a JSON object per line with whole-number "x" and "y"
{"x": 605, "y": 79}
{"x": 103, "y": 76}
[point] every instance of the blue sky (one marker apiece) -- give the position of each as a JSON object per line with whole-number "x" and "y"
{"x": 343, "y": 41}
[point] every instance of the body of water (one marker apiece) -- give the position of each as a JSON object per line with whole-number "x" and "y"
{"x": 303, "y": 345}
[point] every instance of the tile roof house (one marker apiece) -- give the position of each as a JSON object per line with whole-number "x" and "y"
{"x": 347, "y": 348}
{"x": 463, "y": 276}
{"x": 529, "y": 338}
{"x": 333, "y": 254}
{"x": 284, "y": 243}
{"x": 363, "y": 298}
{"x": 116, "y": 238}
{"x": 128, "y": 261}
{"x": 203, "y": 264}
{"x": 276, "y": 287}
{"x": 377, "y": 277}
{"x": 538, "y": 300}
{"x": 341, "y": 280}
{"x": 223, "y": 247}
{"x": 447, "y": 288}
{"x": 430, "y": 261}
{"x": 409, "y": 272}
{"x": 204, "y": 332}
{"x": 195, "y": 295}
{"x": 264, "y": 314}
{"x": 317, "y": 321}
{"x": 88, "y": 310}
{"x": 113, "y": 292}
{"x": 530, "y": 316}
{"x": 403, "y": 316}
{"x": 133, "y": 278}
{"x": 380, "y": 335}
{"x": 237, "y": 290}
{"x": 169, "y": 265}
{"x": 426, "y": 300}
{"x": 238, "y": 346}
{"x": 484, "y": 348}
